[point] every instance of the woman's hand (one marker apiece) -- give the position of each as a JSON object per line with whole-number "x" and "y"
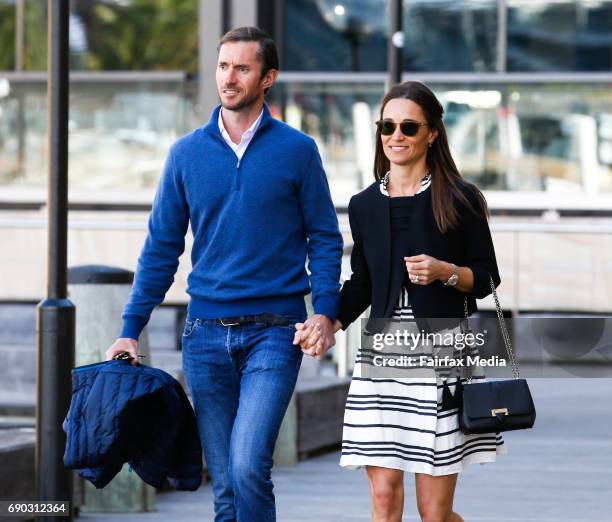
{"x": 424, "y": 269}
{"x": 309, "y": 338}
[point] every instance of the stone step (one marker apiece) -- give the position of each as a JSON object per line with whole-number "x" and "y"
{"x": 17, "y": 462}
{"x": 17, "y": 421}
{"x": 18, "y": 325}
{"x": 18, "y": 375}
{"x": 313, "y": 422}
{"x": 18, "y": 353}
{"x": 17, "y": 368}
{"x": 165, "y": 327}
{"x": 320, "y": 413}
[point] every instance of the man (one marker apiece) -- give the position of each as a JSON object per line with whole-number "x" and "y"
{"x": 257, "y": 198}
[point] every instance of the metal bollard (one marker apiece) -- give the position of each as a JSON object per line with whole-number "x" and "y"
{"x": 99, "y": 293}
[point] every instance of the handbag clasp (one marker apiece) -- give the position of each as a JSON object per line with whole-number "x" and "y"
{"x": 495, "y": 411}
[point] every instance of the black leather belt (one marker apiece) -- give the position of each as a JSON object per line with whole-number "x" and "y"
{"x": 266, "y": 318}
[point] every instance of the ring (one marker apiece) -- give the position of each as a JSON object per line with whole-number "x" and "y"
{"x": 416, "y": 279}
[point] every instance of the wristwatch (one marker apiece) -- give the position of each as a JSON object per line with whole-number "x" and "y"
{"x": 452, "y": 280}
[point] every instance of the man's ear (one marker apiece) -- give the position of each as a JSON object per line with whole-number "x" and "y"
{"x": 269, "y": 78}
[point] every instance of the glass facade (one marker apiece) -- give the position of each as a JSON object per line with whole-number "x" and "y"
{"x": 447, "y": 35}
{"x": 450, "y": 35}
{"x": 325, "y": 35}
{"x": 546, "y": 138}
{"x": 120, "y": 133}
{"x": 543, "y": 138}
{"x": 561, "y": 35}
{"x": 134, "y": 35}
{"x": 108, "y": 35}
{"x": 549, "y": 137}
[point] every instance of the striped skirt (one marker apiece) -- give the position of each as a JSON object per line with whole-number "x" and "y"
{"x": 400, "y": 423}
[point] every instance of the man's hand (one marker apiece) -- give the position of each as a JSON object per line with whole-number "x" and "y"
{"x": 124, "y": 344}
{"x": 315, "y": 336}
{"x": 308, "y": 336}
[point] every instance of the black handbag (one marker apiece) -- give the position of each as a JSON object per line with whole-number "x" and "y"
{"x": 495, "y": 406}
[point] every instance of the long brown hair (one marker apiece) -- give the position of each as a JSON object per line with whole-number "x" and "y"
{"x": 446, "y": 182}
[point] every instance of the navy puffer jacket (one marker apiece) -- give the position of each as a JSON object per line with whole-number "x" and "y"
{"x": 136, "y": 414}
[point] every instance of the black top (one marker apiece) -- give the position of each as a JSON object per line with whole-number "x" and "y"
{"x": 468, "y": 244}
{"x": 401, "y": 208}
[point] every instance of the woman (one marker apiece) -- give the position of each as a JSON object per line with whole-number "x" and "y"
{"x": 421, "y": 244}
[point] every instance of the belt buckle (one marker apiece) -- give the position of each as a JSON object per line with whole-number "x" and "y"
{"x": 221, "y": 320}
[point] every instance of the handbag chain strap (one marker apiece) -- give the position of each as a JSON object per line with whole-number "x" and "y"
{"x": 504, "y": 331}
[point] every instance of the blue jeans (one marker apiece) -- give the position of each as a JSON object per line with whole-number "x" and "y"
{"x": 241, "y": 380}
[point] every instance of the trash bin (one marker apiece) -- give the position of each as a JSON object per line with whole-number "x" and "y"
{"x": 99, "y": 294}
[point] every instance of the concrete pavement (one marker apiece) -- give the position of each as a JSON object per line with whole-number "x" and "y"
{"x": 560, "y": 471}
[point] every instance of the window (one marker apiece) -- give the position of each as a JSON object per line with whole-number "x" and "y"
{"x": 453, "y": 35}
{"x": 559, "y": 35}
{"x": 107, "y": 35}
{"x": 351, "y": 35}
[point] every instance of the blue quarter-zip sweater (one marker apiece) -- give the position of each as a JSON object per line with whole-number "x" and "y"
{"x": 254, "y": 222}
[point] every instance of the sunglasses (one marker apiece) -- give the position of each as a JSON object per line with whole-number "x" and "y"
{"x": 408, "y": 127}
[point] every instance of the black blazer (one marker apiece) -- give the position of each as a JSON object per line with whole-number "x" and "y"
{"x": 469, "y": 244}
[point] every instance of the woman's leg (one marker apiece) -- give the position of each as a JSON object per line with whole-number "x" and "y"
{"x": 387, "y": 493}
{"x": 435, "y": 497}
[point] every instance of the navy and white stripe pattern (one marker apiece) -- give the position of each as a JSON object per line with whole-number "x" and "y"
{"x": 400, "y": 423}
{"x": 402, "y": 310}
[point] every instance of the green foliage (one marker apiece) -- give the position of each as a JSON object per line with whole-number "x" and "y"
{"x": 35, "y": 53}
{"x": 120, "y": 34}
{"x": 140, "y": 34}
{"x": 7, "y": 36}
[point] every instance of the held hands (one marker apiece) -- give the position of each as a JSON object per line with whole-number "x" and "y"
{"x": 424, "y": 269}
{"x": 315, "y": 336}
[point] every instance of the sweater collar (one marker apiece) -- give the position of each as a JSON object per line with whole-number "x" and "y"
{"x": 213, "y": 124}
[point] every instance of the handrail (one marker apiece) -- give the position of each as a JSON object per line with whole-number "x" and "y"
{"x": 449, "y": 78}
{"x": 333, "y": 77}
{"x": 85, "y": 224}
{"x": 99, "y": 76}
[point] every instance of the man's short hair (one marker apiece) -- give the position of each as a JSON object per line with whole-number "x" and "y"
{"x": 267, "y": 53}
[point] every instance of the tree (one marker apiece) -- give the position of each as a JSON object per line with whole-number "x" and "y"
{"x": 140, "y": 35}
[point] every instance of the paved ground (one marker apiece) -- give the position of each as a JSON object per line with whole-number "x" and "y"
{"x": 560, "y": 471}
